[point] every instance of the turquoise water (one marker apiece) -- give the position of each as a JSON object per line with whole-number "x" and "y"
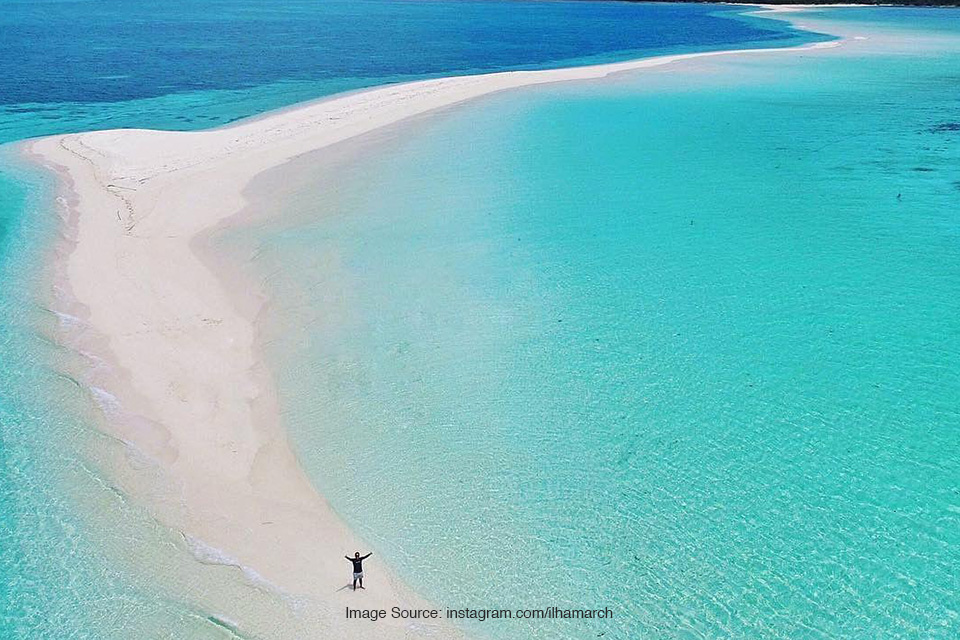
{"x": 104, "y": 569}
{"x": 686, "y": 345}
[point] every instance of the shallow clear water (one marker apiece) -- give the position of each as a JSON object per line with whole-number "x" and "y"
{"x": 65, "y": 570}
{"x": 685, "y": 345}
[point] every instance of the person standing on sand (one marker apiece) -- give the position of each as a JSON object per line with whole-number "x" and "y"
{"x": 357, "y": 561}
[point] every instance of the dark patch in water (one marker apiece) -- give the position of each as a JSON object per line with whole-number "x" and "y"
{"x": 924, "y": 169}
{"x": 944, "y": 127}
{"x": 956, "y": 185}
{"x": 226, "y": 626}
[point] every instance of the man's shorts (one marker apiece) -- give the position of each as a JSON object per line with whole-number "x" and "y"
{"x": 358, "y": 576}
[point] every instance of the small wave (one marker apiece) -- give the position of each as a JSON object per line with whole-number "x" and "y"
{"x": 111, "y": 407}
{"x": 96, "y": 361}
{"x": 107, "y": 402}
{"x": 208, "y": 554}
{"x": 68, "y": 320}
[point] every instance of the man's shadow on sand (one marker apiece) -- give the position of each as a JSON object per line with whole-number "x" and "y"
{"x": 349, "y": 585}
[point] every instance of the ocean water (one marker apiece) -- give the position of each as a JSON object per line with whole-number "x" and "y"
{"x": 686, "y": 345}
{"x": 77, "y": 558}
{"x": 68, "y": 65}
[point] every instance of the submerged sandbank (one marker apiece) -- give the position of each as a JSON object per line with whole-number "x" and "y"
{"x": 193, "y": 399}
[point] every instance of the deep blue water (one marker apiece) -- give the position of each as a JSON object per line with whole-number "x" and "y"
{"x": 82, "y": 64}
{"x": 112, "y": 50}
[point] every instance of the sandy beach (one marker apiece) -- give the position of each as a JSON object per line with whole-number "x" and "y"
{"x": 186, "y": 390}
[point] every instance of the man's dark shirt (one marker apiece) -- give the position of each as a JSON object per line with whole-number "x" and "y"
{"x": 357, "y": 562}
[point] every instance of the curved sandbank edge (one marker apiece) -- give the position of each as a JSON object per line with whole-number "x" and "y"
{"x": 194, "y": 405}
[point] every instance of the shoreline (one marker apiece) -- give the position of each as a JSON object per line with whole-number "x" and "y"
{"x": 184, "y": 349}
